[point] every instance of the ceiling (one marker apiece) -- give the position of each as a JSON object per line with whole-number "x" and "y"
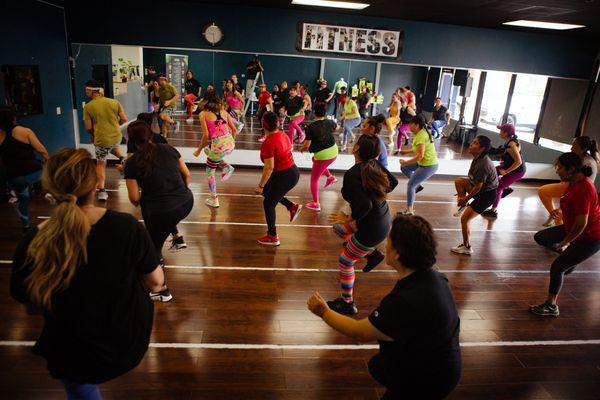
{"x": 482, "y": 13}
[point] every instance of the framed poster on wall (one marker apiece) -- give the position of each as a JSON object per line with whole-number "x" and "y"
{"x": 177, "y": 66}
{"x": 22, "y": 89}
{"x": 347, "y": 40}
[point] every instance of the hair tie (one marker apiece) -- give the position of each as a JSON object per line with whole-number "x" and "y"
{"x": 67, "y": 198}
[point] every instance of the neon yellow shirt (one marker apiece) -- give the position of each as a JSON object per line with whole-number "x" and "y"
{"x": 430, "y": 156}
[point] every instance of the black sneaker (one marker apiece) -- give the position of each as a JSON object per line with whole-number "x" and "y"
{"x": 342, "y": 306}
{"x": 177, "y": 244}
{"x": 373, "y": 260}
{"x": 490, "y": 214}
{"x": 507, "y": 191}
{"x": 419, "y": 188}
{"x": 163, "y": 296}
{"x": 545, "y": 309}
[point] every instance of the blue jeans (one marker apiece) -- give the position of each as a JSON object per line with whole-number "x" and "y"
{"x": 349, "y": 124}
{"x": 437, "y": 127}
{"x": 20, "y": 185}
{"x": 81, "y": 391}
{"x": 416, "y": 175}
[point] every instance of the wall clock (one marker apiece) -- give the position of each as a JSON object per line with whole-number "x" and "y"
{"x": 213, "y": 34}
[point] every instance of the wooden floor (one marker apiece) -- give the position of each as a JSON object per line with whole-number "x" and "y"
{"x": 231, "y": 292}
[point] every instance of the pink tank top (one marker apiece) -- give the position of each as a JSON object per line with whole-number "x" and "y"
{"x": 234, "y": 102}
{"x": 217, "y": 128}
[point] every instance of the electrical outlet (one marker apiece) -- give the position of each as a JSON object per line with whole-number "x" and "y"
{"x": 58, "y": 111}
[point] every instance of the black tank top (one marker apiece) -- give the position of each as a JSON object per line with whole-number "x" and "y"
{"x": 404, "y": 115}
{"x": 18, "y": 157}
{"x": 507, "y": 158}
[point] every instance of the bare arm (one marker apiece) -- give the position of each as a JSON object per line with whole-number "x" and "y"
{"x": 231, "y": 125}
{"x": 267, "y": 172}
{"x": 579, "y": 226}
{"x": 155, "y": 280}
{"x": 513, "y": 150}
{"x": 419, "y": 154}
{"x": 133, "y": 191}
{"x": 305, "y": 146}
{"x": 474, "y": 190}
{"x": 122, "y": 117}
{"x": 204, "y": 130}
{"x": 35, "y": 143}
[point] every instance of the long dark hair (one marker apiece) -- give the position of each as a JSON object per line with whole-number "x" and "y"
{"x": 420, "y": 120}
{"x": 376, "y": 122}
{"x": 141, "y": 136}
{"x": 572, "y": 160}
{"x": 588, "y": 145}
{"x": 212, "y": 102}
{"x": 373, "y": 179}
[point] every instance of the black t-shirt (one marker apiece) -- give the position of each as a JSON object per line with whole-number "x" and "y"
{"x": 100, "y": 325}
{"x": 322, "y": 94}
{"x": 163, "y": 188}
{"x": 18, "y": 158}
{"x": 320, "y": 134}
{"x": 252, "y": 69}
{"x": 372, "y": 216}
{"x": 439, "y": 114}
{"x": 293, "y": 105}
{"x": 277, "y": 100}
{"x": 192, "y": 86}
{"x": 363, "y": 99}
{"x": 150, "y": 79}
{"x": 420, "y": 315}
{"x": 156, "y": 138}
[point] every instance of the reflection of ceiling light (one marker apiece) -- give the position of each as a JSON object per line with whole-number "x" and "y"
{"x": 543, "y": 25}
{"x": 333, "y": 4}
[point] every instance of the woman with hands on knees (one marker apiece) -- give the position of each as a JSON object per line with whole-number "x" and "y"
{"x": 416, "y": 324}
{"x": 365, "y": 188}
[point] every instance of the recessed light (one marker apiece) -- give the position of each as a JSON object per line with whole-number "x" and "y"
{"x": 543, "y": 25}
{"x": 332, "y": 4}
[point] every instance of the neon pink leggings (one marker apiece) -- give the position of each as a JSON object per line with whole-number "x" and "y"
{"x": 505, "y": 181}
{"x": 402, "y": 134}
{"x": 319, "y": 168}
{"x": 294, "y": 125}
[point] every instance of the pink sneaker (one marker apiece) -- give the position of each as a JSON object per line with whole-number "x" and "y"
{"x": 269, "y": 240}
{"x": 262, "y": 138}
{"x": 330, "y": 180}
{"x": 313, "y": 205}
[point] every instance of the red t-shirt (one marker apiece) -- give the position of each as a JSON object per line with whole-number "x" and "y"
{"x": 263, "y": 98}
{"x": 278, "y": 146}
{"x": 581, "y": 198}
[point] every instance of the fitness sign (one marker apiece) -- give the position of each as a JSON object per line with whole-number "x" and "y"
{"x": 315, "y": 37}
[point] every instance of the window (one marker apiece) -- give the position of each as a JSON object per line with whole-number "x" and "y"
{"x": 494, "y": 99}
{"x": 526, "y": 103}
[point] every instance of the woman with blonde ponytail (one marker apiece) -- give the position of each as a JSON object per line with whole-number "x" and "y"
{"x": 93, "y": 293}
{"x": 365, "y": 188}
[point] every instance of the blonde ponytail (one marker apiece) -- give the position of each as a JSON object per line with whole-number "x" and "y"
{"x": 60, "y": 246}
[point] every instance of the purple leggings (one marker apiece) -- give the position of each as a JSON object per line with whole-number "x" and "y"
{"x": 294, "y": 125}
{"x": 319, "y": 168}
{"x": 505, "y": 181}
{"x": 403, "y": 130}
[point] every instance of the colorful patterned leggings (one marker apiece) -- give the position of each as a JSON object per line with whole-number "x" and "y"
{"x": 352, "y": 252}
{"x": 211, "y": 168}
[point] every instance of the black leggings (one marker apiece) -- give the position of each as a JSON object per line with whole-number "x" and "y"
{"x": 274, "y": 192}
{"x": 401, "y": 387}
{"x": 565, "y": 263}
{"x": 161, "y": 225}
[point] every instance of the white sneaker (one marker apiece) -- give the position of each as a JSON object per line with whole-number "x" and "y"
{"x": 550, "y": 222}
{"x": 462, "y": 249}
{"x": 189, "y": 120}
{"x": 390, "y": 145}
{"x": 212, "y": 202}
{"x": 460, "y": 210}
{"x": 194, "y": 108}
{"x": 227, "y": 172}
{"x": 240, "y": 127}
{"x": 102, "y": 195}
{"x": 343, "y": 149}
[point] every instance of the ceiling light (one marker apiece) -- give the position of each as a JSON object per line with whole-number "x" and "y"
{"x": 332, "y": 4}
{"x": 543, "y": 25}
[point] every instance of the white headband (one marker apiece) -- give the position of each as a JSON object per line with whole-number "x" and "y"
{"x": 95, "y": 89}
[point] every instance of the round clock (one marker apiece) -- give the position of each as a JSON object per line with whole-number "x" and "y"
{"x": 213, "y": 34}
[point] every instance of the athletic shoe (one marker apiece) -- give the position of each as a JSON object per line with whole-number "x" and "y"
{"x": 102, "y": 195}
{"x": 550, "y": 222}
{"x": 163, "y": 296}
{"x": 343, "y": 148}
{"x": 227, "y": 172}
{"x": 262, "y": 138}
{"x": 397, "y": 152}
{"x": 313, "y": 205}
{"x": 176, "y": 126}
{"x": 342, "y": 306}
{"x": 460, "y": 210}
{"x": 212, "y": 202}
{"x": 545, "y": 309}
{"x": 490, "y": 214}
{"x": 373, "y": 260}
{"x": 462, "y": 249}
{"x": 507, "y": 191}
{"x": 194, "y": 108}
{"x": 295, "y": 212}
{"x": 189, "y": 120}
{"x": 407, "y": 212}
{"x": 240, "y": 127}
{"x": 390, "y": 145}
{"x": 269, "y": 240}
{"x": 177, "y": 244}
{"x": 419, "y": 188}
{"x": 330, "y": 181}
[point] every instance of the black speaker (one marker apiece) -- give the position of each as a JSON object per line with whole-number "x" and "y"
{"x": 460, "y": 77}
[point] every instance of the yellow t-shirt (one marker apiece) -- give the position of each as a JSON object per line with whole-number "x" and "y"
{"x": 430, "y": 156}
{"x": 348, "y": 106}
{"x": 166, "y": 93}
{"x": 104, "y": 114}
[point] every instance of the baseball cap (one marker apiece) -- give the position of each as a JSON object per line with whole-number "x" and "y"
{"x": 508, "y": 128}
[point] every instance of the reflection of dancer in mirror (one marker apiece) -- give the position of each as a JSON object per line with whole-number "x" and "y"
{"x": 393, "y": 120}
{"x": 293, "y": 104}
{"x": 365, "y": 188}
{"x": 372, "y": 126}
{"x": 168, "y": 96}
{"x": 265, "y": 103}
{"x": 193, "y": 90}
{"x": 406, "y": 114}
{"x": 218, "y": 141}
{"x": 320, "y": 142}
{"x": 235, "y": 102}
{"x": 350, "y": 119}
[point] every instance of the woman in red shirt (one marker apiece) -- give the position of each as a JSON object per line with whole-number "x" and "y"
{"x": 280, "y": 175}
{"x": 579, "y": 237}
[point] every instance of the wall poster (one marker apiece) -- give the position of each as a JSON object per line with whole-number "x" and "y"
{"x": 370, "y": 42}
{"x": 177, "y": 66}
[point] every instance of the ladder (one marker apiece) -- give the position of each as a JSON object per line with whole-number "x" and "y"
{"x": 252, "y": 98}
